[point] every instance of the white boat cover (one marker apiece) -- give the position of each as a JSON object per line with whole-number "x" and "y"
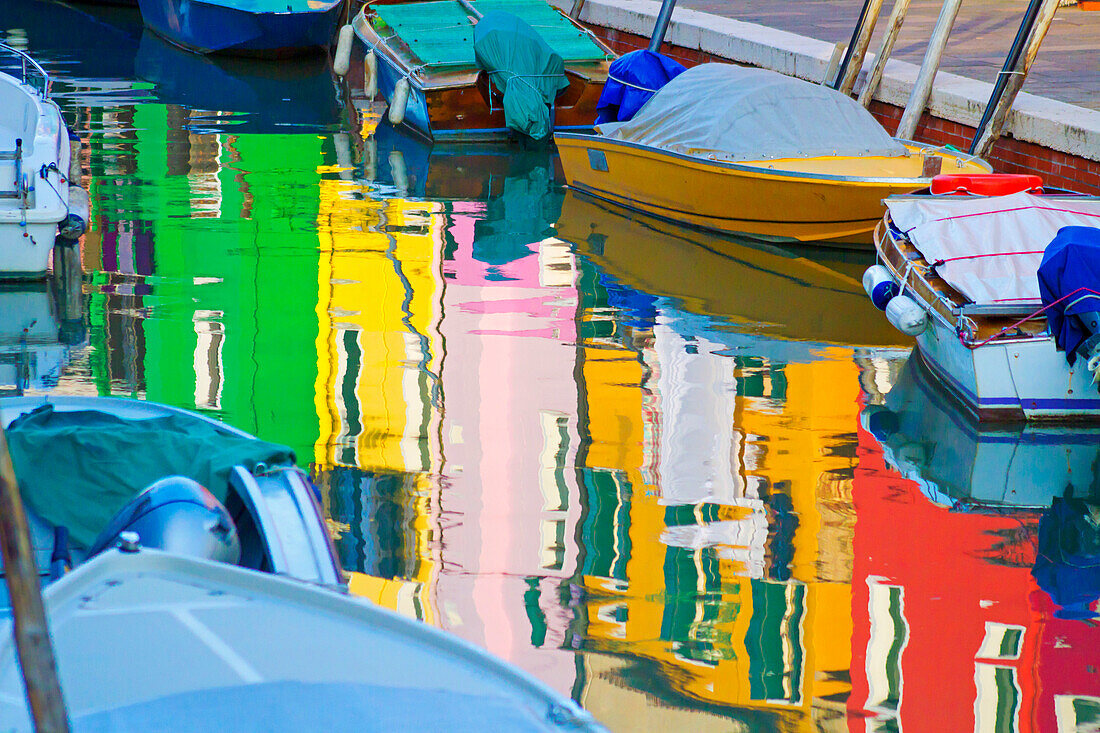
{"x": 990, "y": 248}
{"x": 733, "y": 113}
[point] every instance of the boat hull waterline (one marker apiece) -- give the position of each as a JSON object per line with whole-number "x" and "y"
{"x": 759, "y": 199}
{"x": 208, "y": 27}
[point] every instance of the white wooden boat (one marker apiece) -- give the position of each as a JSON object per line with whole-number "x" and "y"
{"x": 149, "y": 641}
{"x": 965, "y": 267}
{"x": 37, "y": 201}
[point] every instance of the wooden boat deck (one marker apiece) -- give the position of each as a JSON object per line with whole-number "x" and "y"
{"x": 918, "y": 280}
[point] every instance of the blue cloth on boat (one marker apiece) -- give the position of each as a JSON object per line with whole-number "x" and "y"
{"x": 631, "y": 81}
{"x": 1071, "y": 261}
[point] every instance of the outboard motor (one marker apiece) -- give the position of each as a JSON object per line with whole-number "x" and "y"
{"x": 1069, "y": 283}
{"x": 179, "y": 516}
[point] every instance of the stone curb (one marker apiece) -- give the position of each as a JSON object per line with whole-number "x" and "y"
{"x": 1052, "y": 124}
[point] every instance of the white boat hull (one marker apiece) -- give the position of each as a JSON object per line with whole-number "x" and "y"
{"x": 1022, "y": 379}
{"x": 32, "y": 208}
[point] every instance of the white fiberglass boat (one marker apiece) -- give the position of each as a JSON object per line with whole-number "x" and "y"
{"x": 37, "y": 202}
{"x": 1002, "y": 293}
{"x": 150, "y": 641}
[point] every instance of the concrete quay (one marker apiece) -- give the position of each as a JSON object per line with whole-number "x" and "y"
{"x": 1057, "y": 139}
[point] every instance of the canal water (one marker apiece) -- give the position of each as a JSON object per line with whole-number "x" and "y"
{"x": 688, "y": 480}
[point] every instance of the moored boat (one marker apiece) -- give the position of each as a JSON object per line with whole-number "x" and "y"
{"x": 183, "y": 482}
{"x": 38, "y": 202}
{"x": 960, "y": 273}
{"x": 750, "y": 151}
{"x": 420, "y": 57}
{"x": 244, "y": 27}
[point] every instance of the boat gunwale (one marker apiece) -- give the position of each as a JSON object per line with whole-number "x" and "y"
{"x": 772, "y": 172}
{"x": 309, "y": 11}
{"x": 412, "y": 66}
{"x": 944, "y": 302}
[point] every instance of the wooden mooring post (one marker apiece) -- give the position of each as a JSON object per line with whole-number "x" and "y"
{"x": 861, "y": 39}
{"x": 922, "y": 88}
{"x": 32, "y": 635}
{"x": 893, "y": 28}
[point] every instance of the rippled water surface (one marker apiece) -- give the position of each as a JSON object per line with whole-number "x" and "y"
{"x": 658, "y": 469}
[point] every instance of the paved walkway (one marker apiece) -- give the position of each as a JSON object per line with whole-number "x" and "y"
{"x": 1067, "y": 68}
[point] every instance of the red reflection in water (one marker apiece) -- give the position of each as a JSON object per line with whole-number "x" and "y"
{"x": 951, "y": 631}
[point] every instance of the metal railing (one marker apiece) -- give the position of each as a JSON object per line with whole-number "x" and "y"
{"x": 32, "y": 74}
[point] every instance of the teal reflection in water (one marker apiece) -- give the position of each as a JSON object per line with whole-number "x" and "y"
{"x": 642, "y": 462}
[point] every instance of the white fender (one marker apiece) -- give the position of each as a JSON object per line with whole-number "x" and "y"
{"x": 370, "y": 75}
{"x": 398, "y": 172}
{"x": 906, "y": 315}
{"x": 879, "y": 286}
{"x": 399, "y": 101}
{"x": 342, "y": 61}
{"x": 76, "y": 223}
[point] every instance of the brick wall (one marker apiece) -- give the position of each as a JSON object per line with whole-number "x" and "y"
{"x": 1008, "y": 156}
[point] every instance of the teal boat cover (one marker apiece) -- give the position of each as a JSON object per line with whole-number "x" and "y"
{"x": 440, "y": 33}
{"x": 77, "y": 469}
{"x": 523, "y": 67}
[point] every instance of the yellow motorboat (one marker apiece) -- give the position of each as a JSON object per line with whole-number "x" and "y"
{"x": 754, "y": 152}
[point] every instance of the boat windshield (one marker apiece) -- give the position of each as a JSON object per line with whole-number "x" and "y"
{"x": 732, "y": 113}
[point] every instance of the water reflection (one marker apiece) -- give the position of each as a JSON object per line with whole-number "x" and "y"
{"x": 625, "y": 456}
{"x": 967, "y": 466}
{"x": 41, "y": 326}
{"x": 242, "y": 95}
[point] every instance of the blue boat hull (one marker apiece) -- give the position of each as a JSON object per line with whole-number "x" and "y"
{"x": 209, "y": 28}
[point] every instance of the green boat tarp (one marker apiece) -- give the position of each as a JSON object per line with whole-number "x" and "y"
{"x": 78, "y": 469}
{"x": 523, "y": 67}
{"x": 441, "y": 33}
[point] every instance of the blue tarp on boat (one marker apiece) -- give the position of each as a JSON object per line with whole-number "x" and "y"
{"x": 631, "y": 81}
{"x": 1071, "y": 262}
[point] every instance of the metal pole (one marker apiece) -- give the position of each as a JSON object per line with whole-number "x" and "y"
{"x": 469, "y": 8}
{"x": 1011, "y": 61}
{"x": 32, "y": 635}
{"x": 1015, "y": 81}
{"x": 893, "y": 27}
{"x": 922, "y": 88}
{"x": 851, "y": 45}
{"x": 661, "y": 26}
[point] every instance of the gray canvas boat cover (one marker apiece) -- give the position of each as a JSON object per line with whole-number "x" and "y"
{"x": 733, "y": 113}
{"x": 990, "y": 247}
